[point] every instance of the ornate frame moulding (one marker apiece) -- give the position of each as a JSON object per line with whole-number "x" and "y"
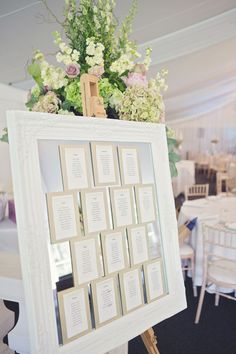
{"x": 26, "y": 130}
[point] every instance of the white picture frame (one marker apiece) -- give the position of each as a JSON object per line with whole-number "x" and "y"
{"x": 95, "y": 210}
{"x": 132, "y": 296}
{"x": 146, "y": 203}
{"x": 75, "y": 166}
{"x": 154, "y": 279}
{"x": 106, "y": 300}
{"x": 114, "y": 250}
{"x": 138, "y": 244}
{"x": 85, "y": 257}
{"x": 63, "y": 216}
{"x": 105, "y": 163}
{"x": 122, "y": 200}
{"x": 129, "y": 165}
{"x": 76, "y": 299}
{"x": 26, "y": 130}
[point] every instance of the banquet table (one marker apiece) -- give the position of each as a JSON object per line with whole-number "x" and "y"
{"x": 11, "y": 288}
{"x": 186, "y": 176}
{"x": 211, "y": 210}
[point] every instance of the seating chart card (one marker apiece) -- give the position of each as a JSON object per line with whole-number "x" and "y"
{"x": 105, "y": 163}
{"x": 130, "y": 165}
{"x": 154, "y": 281}
{"x": 105, "y": 300}
{"x": 122, "y": 206}
{"x": 146, "y": 205}
{"x": 95, "y": 210}
{"x": 76, "y": 172}
{"x": 74, "y": 313}
{"x": 85, "y": 259}
{"x": 131, "y": 289}
{"x": 138, "y": 246}
{"x": 114, "y": 250}
{"x": 63, "y": 214}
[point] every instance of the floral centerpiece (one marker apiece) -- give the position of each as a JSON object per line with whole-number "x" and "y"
{"x": 95, "y": 43}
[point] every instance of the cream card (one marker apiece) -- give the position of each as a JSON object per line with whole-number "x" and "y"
{"x": 104, "y": 163}
{"x": 74, "y": 313}
{"x": 85, "y": 258}
{"x": 131, "y": 287}
{"x": 105, "y": 299}
{"x": 95, "y": 210}
{"x": 114, "y": 251}
{"x": 146, "y": 203}
{"x": 130, "y": 166}
{"x": 63, "y": 215}
{"x": 154, "y": 279}
{"x": 75, "y": 166}
{"x": 122, "y": 206}
{"x": 138, "y": 246}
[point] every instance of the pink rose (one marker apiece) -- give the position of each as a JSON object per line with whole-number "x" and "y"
{"x": 97, "y": 70}
{"x": 140, "y": 68}
{"x": 136, "y": 79}
{"x": 72, "y": 70}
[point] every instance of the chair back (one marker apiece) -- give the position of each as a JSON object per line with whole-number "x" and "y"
{"x": 218, "y": 243}
{"x": 196, "y": 191}
{"x": 231, "y": 183}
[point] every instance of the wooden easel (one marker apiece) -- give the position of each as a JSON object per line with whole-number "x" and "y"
{"x": 92, "y": 103}
{"x": 150, "y": 341}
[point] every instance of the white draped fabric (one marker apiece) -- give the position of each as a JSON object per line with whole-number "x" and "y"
{"x": 10, "y": 98}
{"x": 186, "y": 176}
{"x": 197, "y": 133}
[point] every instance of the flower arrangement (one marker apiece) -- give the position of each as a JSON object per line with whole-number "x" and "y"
{"x": 96, "y": 44}
{"x": 99, "y": 46}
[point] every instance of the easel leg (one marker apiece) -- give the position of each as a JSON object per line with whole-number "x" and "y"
{"x": 150, "y": 341}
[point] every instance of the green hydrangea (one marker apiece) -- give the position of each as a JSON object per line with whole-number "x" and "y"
{"x": 36, "y": 91}
{"x": 106, "y": 90}
{"x": 73, "y": 95}
{"x": 142, "y": 104}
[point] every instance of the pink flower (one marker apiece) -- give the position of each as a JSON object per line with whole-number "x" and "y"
{"x": 72, "y": 70}
{"x": 97, "y": 70}
{"x": 136, "y": 79}
{"x": 140, "y": 68}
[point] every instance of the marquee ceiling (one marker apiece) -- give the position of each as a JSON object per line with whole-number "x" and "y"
{"x": 194, "y": 39}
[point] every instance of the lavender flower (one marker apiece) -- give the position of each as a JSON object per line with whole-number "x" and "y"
{"x": 72, "y": 70}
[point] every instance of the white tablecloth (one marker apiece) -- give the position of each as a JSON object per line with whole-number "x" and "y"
{"x": 8, "y": 236}
{"x": 212, "y": 210}
{"x": 186, "y": 176}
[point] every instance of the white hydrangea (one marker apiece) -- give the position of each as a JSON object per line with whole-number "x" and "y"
{"x": 122, "y": 64}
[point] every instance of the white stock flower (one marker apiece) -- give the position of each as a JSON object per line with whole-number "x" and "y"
{"x": 124, "y": 63}
{"x": 94, "y": 53}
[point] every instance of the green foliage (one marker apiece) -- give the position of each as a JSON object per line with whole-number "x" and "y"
{"x": 30, "y": 103}
{"x": 97, "y": 44}
{"x": 96, "y": 19}
{"x": 4, "y": 137}
{"x": 126, "y": 27}
{"x": 173, "y": 156}
{"x": 35, "y": 71}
